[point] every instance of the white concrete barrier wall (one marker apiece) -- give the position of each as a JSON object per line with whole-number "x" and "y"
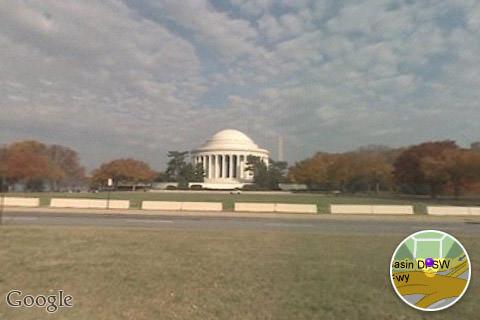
{"x": 453, "y": 211}
{"x": 119, "y": 204}
{"x": 20, "y": 202}
{"x": 181, "y": 206}
{"x": 88, "y": 203}
{"x": 392, "y": 209}
{"x": 254, "y": 207}
{"x": 370, "y": 209}
{"x": 162, "y": 205}
{"x": 69, "y": 203}
{"x": 350, "y": 209}
{"x": 475, "y": 211}
{"x": 295, "y": 208}
{"x": 97, "y": 203}
{"x": 201, "y": 206}
{"x": 275, "y": 207}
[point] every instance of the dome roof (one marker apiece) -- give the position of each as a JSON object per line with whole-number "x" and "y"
{"x": 229, "y": 139}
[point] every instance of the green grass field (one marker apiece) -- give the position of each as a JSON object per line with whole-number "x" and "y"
{"x": 172, "y": 274}
{"x": 322, "y": 201}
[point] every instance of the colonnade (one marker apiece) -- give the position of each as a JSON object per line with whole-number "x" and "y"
{"x": 225, "y": 165}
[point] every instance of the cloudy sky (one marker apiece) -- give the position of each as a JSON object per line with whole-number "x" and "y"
{"x": 136, "y": 78}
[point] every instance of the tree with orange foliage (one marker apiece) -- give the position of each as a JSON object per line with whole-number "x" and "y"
{"x": 368, "y": 170}
{"x": 34, "y": 164}
{"x": 123, "y": 171}
{"x": 27, "y": 163}
{"x": 312, "y": 171}
{"x": 363, "y": 170}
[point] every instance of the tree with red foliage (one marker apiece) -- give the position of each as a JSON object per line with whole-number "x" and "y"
{"x": 420, "y": 168}
{"x": 462, "y": 167}
{"x": 3, "y": 168}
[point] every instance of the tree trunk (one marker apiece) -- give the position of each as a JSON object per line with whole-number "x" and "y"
{"x": 456, "y": 190}
{"x": 433, "y": 191}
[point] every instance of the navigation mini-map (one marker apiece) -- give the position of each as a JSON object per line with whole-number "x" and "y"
{"x": 430, "y": 270}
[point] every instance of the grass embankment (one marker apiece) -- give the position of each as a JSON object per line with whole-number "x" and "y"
{"x": 323, "y": 202}
{"x": 147, "y": 274}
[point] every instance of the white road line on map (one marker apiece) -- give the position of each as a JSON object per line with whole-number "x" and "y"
{"x": 147, "y": 220}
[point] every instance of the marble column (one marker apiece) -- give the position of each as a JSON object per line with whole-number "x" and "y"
{"x": 204, "y": 164}
{"x": 220, "y": 168}
{"x": 207, "y": 165}
{"x": 224, "y": 167}
{"x": 234, "y": 166}
{"x": 211, "y": 173}
{"x": 241, "y": 167}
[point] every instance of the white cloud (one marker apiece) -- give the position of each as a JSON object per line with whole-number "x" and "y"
{"x": 233, "y": 38}
{"x": 139, "y": 78}
{"x": 269, "y": 26}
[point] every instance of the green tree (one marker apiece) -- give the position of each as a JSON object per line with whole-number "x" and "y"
{"x": 175, "y": 165}
{"x": 193, "y": 173}
{"x": 180, "y": 171}
{"x": 266, "y": 177}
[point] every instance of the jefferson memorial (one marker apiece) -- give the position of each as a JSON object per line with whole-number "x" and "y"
{"x": 224, "y": 159}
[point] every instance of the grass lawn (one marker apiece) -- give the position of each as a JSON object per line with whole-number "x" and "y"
{"x": 172, "y": 274}
{"x": 323, "y": 202}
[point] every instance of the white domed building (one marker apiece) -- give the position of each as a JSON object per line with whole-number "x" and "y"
{"x": 224, "y": 159}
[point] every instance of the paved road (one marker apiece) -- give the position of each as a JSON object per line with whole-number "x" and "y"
{"x": 309, "y": 223}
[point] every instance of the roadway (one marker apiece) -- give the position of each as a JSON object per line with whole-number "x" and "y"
{"x": 322, "y": 223}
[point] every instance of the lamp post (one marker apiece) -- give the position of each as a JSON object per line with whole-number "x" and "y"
{"x": 109, "y": 184}
{"x": 3, "y": 173}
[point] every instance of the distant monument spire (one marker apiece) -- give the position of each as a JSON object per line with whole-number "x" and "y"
{"x": 280, "y": 148}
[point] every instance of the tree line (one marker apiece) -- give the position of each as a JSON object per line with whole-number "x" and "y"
{"x": 430, "y": 168}
{"x": 38, "y": 167}
{"x": 35, "y": 164}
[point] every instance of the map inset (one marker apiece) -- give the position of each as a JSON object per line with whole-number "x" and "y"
{"x": 430, "y": 270}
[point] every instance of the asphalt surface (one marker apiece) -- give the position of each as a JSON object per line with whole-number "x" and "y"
{"x": 322, "y": 223}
